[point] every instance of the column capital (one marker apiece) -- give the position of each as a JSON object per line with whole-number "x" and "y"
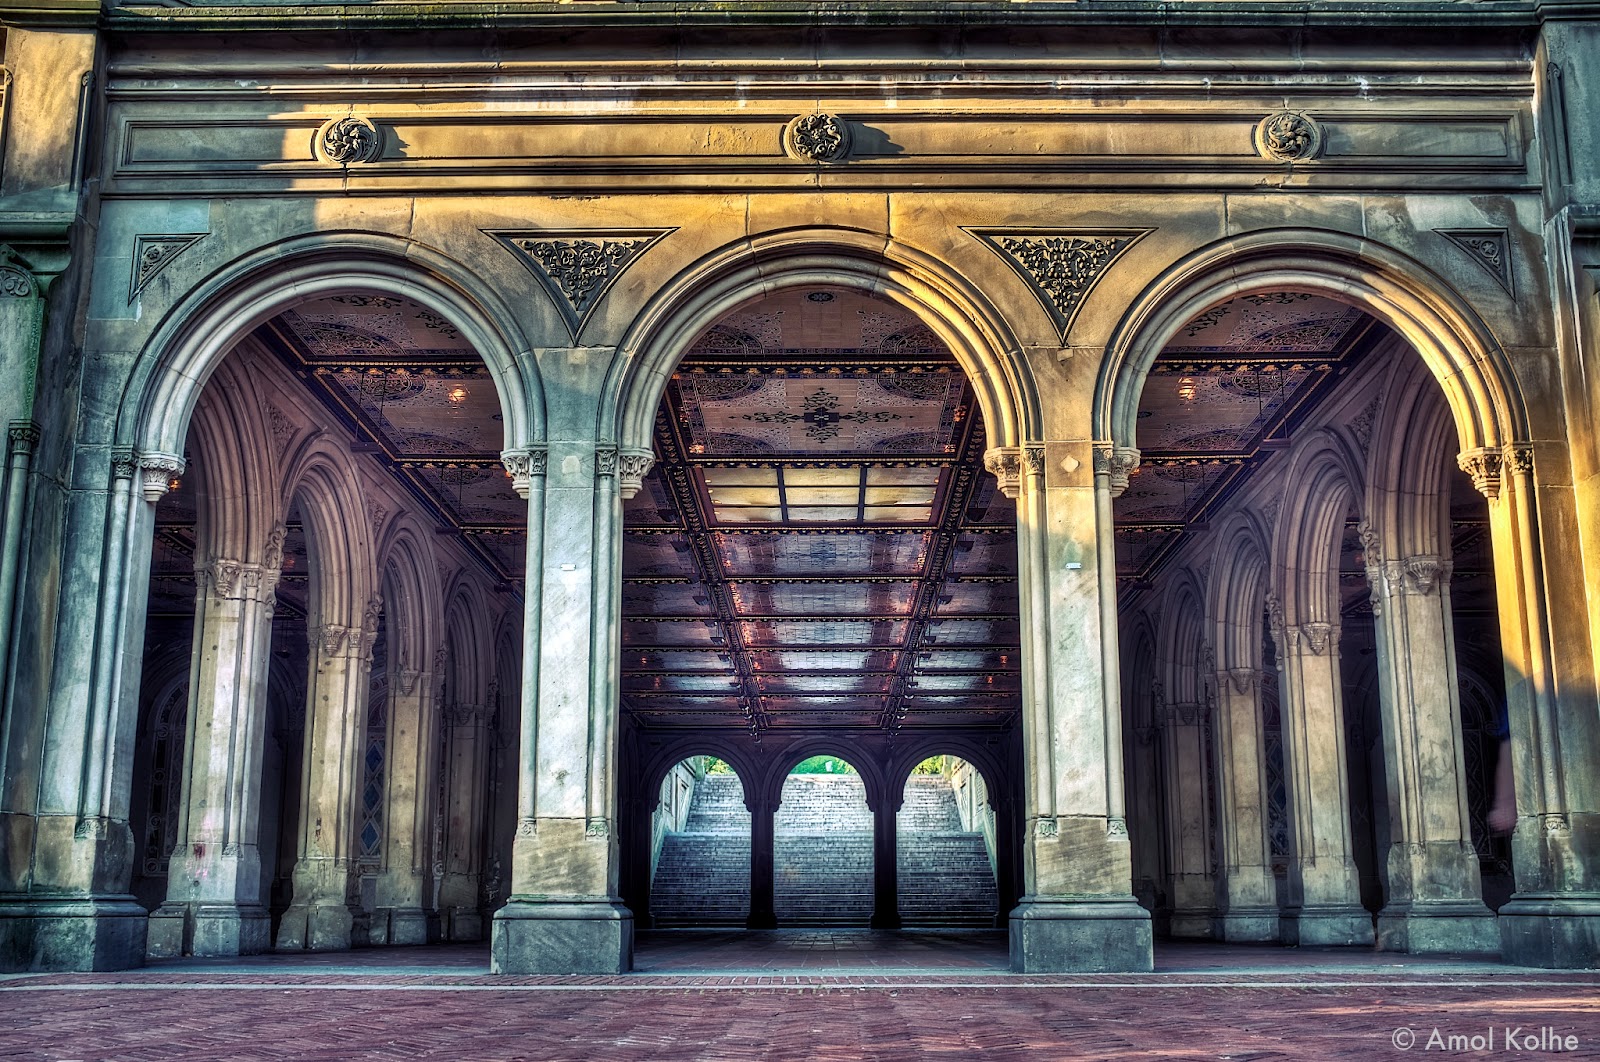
{"x": 1420, "y": 575}
{"x": 632, "y": 467}
{"x": 232, "y": 580}
{"x": 464, "y": 715}
{"x": 1242, "y": 680}
{"x": 1116, "y": 463}
{"x": 1005, "y": 464}
{"x": 157, "y": 473}
{"x": 522, "y": 465}
{"x": 24, "y": 436}
{"x": 1483, "y": 464}
{"x": 1315, "y": 636}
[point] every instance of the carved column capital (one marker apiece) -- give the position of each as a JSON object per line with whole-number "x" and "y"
{"x": 464, "y": 715}
{"x": 1116, "y": 463}
{"x": 632, "y": 467}
{"x": 1483, "y": 465}
{"x": 1315, "y": 636}
{"x": 1519, "y": 459}
{"x": 523, "y": 465}
{"x": 1241, "y": 679}
{"x": 24, "y": 436}
{"x": 227, "y": 579}
{"x": 156, "y": 473}
{"x": 605, "y": 460}
{"x": 1005, "y": 464}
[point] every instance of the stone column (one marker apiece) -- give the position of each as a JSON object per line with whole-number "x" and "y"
{"x": 213, "y": 904}
{"x": 401, "y": 890}
{"x": 763, "y": 840}
{"x": 1553, "y": 919}
{"x": 1188, "y": 774}
{"x": 1247, "y": 892}
{"x": 460, "y": 913}
{"x": 564, "y": 914}
{"x": 1005, "y": 856}
{"x": 1077, "y": 910}
{"x": 1435, "y": 896}
{"x": 70, "y": 908}
{"x": 886, "y": 862}
{"x": 1325, "y": 890}
{"x": 322, "y": 915}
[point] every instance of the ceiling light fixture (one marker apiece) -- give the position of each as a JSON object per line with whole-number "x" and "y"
{"x": 457, "y": 395}
{"x": 1186, "y": 388}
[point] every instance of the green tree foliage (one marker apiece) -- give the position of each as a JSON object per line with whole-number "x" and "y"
{"x": 823, "y": 765}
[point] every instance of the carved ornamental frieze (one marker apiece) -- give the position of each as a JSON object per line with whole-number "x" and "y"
{"x": 348, "y": 141}
{"x": 1288, "y": 136}
{"x": 576, "y": 269}
{"x": 1061, "y": 266}
{"x": 154, "y": 252}
{"x": 817, "y": 138}
{"x": 1489, "y": 248}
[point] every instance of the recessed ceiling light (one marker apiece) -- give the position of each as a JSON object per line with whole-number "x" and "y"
{"x": 820, "y": 296}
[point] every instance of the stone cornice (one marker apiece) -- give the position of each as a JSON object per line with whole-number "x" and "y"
{"x": 724, "y": 14}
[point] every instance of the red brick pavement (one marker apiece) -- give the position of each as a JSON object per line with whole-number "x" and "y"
{"x": 1219, "y": 1003}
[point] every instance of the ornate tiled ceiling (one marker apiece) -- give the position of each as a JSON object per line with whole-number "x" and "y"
{"x": 407, "y": 385}
{"x": 818, "y": 544}
{"x": 1222, "y": 399}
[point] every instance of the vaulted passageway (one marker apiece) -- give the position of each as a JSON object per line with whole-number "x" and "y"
{"x": 818, "y": 569}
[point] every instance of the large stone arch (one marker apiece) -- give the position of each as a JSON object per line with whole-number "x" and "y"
{"x": 978, "y": 337}
{"x": 1324, "y": 481}
{"x": 1239, "y": 570}
{"x": 778, "y": 768}
{"x": 1453, "y": 340}
{"x": 196, "y": 334}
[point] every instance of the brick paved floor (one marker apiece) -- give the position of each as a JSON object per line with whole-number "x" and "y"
{"x": 796, "y": 995}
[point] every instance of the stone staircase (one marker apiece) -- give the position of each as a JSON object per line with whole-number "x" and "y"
{"x": 944, "y": 873}
{"x": 822, "y": 858}
{"x": 822, "y": 871}
{"x": 703, "y": 876}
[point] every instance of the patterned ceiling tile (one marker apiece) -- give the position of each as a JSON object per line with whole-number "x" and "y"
{"x": 850, "y": 553}
{"x": 878, "y": 599}
{"x": 821, "y": 414}
{"x": 475, "y": 494}
{"x": 341, "y": 327}
{"x": 665, "y": 599}
{"x": 1278, "y": 322}
{"x": 657, "y": 555}
{"x": 1187, "y": 408}
{"x": 1168, "y": 492}
{"x": 840, "y": 632}
{"x": 864, "y": 684}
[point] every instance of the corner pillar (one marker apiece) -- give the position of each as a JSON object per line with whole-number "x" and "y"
{"x": 1077, "y": 911}
{"x": 886, "y": 864}
{"x": 1324, "y": 886}
{"x": 763, "y": 835}
{"x": 400, "y": 914}
{"x": 324, "y": 915}
{"x": 564, "y": 914}
{"x": 1247, "y": 892}
{"x": 213, "y": 904}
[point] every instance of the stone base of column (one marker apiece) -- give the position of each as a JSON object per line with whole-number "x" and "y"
{"x": 1192, "y": 924}
{"x": 207, "y": 929}
{"x": 885, "y": 920}
{"x": 561, "y": 938}
{"x": 399, "y": 926}
{"x": 1327, "y": 926}
{"x": 1248, "y": 924}
{"x": 463, "y": 924}
{"x": 1556, "y": 932}
{"x": 320, "y": 927}
{"x": 1080, "y": 936}
{"x": 1438, "y": 928}
{"x": 88, "y": 934}
{"x": 765, "y": 920}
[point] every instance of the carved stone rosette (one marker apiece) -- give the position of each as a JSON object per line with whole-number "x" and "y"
{"x": 1288, "y": 136}
{"x": 344, "y": 141}
{"x": 817, "y": 138}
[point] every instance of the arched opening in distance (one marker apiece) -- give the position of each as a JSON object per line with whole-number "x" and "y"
{"x": 822, "y": 851}
{"x": 700, "y": 847}
{"x": 948, "y": 846}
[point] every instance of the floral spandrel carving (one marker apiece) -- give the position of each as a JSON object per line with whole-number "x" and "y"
{"x": 152, "y": 253}
{"x": 1489, "y": 248}
{"x": 818, "y": 138}
{"x": 577, "y": 268}
{"x": 1288, "y": 136}
{"x": 350, "y": 140}
{"x": 1061, "y": 266}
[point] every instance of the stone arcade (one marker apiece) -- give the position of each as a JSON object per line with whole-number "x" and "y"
{"x": 430, "y": 424}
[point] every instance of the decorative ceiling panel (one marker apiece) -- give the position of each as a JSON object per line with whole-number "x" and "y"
{"x": 793, "y": 427}
{"x": 1269, "y": 322}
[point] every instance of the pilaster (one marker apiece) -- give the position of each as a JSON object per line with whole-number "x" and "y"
{"x": 564, "y": 914}
{"x": 1077, "y": 911}
{"x": 1248, "y": 893}
{"x": 213, "y": 904}
{"x": 322, "y": 916}
{"x": 1324, "y": 889}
